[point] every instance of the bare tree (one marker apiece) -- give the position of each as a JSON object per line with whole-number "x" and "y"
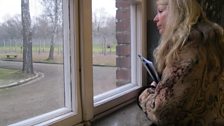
{"x": 11, "y": 28}
{"x": 53, "y": 10}
{"x": 99, "y": 19}
{"x": 11, "y": 32}
{"x": 27, "y": 37}
{"x": 104, "y": 28}
{"x": 41, "y": 28}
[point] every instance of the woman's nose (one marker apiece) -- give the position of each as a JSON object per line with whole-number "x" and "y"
{"x": 156, "y": 19}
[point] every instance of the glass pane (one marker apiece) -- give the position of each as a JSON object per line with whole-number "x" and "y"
{"x": 111, "y": 44}
{"x": 31, "y": 59}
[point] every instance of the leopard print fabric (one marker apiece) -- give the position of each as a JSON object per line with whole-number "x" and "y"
{"x": 189, "y": 93}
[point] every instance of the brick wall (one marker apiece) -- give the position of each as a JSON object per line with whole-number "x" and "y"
{"x": 123, "y": 49}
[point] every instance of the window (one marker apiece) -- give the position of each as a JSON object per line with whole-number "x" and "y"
{"x": 39, "y": 77}
{"x": 116, "y": 40}
{"x": 68, "y": 56}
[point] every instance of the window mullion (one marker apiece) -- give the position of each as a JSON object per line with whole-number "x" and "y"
{"x": 86, "y": 59}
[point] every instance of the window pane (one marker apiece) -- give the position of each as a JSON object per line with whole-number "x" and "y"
{"x": 111, "y": 44}
{"x": 32, "y": 59}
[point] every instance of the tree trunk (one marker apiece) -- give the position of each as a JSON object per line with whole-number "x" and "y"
{"x": 27, "y": 38}
{"x": 51, "y": 52}
{"x": 104, "y": 45}
{"x": 54, "y": 32}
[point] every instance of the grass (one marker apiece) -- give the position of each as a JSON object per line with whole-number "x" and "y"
{"x": 11, "y": 75}
{"x": 5, "y": 73}
{"x": 41, "y": 54}
{"x": 37, "y": 57}
{"x": 97, "y": 48}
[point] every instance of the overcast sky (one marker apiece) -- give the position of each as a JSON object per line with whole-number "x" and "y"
{"x": 9, "y": 8}
{"x": 108, "y": 5}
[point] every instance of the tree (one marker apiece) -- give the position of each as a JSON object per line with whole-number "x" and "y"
{"x": 27, "y": 37}
{"x": 53, "y": 10}
{"x": 104, "y": 29}
{"x": 11, "y": 28}
{"x": 11, "y": 31}
{"x": 41, "y": 28}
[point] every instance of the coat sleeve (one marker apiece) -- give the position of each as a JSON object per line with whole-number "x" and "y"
{"x": 160, "y": 104}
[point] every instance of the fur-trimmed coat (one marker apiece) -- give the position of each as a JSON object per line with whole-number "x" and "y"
{"x": 191, "y": 90}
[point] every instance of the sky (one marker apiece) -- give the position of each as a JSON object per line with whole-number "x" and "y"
{"x": 9, "y": 8}
{"x": 108, "y": 5}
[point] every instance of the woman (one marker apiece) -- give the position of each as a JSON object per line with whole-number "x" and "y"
{"x": 190, "y": 61}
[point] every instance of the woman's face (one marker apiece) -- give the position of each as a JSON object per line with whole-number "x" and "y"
{"x": 160, "y": 18}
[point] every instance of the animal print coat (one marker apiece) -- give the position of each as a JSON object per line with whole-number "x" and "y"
{"x": 191, "y": 91}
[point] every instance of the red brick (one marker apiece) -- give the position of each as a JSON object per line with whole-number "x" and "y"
{"x": 123, "y": 50}
{"x": 123, "y": 62}
{"x": 123, "y": 38}
{"x": 123, "y": 13}
{"x": 122, "y": 3}
{"x": 123, "y": 26}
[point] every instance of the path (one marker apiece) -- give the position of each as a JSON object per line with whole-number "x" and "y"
{"x": 33, "y": 98}
{"x": 46, "y": 94}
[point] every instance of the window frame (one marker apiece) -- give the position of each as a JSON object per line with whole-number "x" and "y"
{"x": 126, "y": 94}
{"x": 92, "y": 110}
{"x": 70, "y": 114}
{"x": 80, "y": 29}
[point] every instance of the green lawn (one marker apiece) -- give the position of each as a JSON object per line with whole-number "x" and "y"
{"x": 8, "y": 76}
{"x": 5, "y": 73}
{"x": 12, "y": 74}
{"x": 35, "y": 48}
{"x": 97, "y": 48}
{"x": 101, "y": 56}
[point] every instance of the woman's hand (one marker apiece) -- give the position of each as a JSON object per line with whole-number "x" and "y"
{"x": 146, "y": 95}
{"x": 153, "y": 84}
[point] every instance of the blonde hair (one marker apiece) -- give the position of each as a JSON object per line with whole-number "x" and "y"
{"x": 182, "y": 15}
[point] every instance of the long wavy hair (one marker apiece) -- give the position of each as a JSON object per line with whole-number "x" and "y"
{"x": 182, "y": 15}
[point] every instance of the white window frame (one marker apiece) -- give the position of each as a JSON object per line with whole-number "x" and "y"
{"x": 111, "y": 100}
{"x": 70, "y": 114}
{"x": 90, "y": 108}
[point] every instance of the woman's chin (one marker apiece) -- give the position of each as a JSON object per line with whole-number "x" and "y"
{"x": 160, "y": 31}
